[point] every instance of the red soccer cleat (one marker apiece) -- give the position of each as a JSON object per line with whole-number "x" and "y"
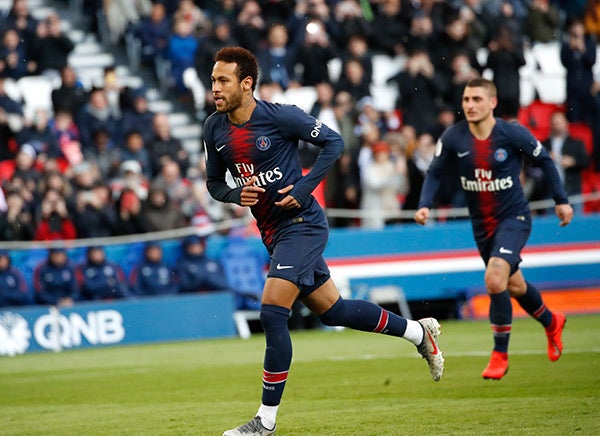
{"x": 554, "y": 334}
{"x": 497, "y": 366}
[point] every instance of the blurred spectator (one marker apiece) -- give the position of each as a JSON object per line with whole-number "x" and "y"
{"x": 24, "y": 165}
{"x": 461, "y": 71}
{"x": 99, "y": 278}
{"x": 381, "y": 185}
{"x": 455, "y": 38}
{"x": 151, "y": 276}
{"x": 96, "y": 114}
{"x": 20, "y": 18}
{"x": 192, "y": 14}
{"x": 70, "y": 96}
{"x": 196, "y": 271}
{"x": 181, "y": 49}
{"x": 120, "y": 14}
{"x": 138, "y": 117}
{"x": 389, "y": 28}
{"x": 69, "y": 139}
{"x": 353, "y": 80}
{"x": 419, "y": 87}
{"x": 102, "y": 155}
{"x": 14, "y": 290}
{"x": 569, "y": 154}
{"x": 38, "y": 134}
{"x": 543, "y": 21}
{"x": 159, "y": 212}
{"x": 446, "y": 117}
{"x": 472, "y": 13}
{"x": 57, "y": 181}
{"x": 129, "y": 191}
{"x": 173, "y": 181}
{"x": 418, "y": 164}
{"x": 578, "y": 55}
{"x": 11, "y": 122}
{"x": 357, "y": 49}
{"x": 94, "y": 214}
{"x": 54, "y": 222}
{"x": 153, "y": 32}
{"x": 314, "y": 54}
{"x": 54, "y": 280}
{"x": 420, "y": 35}
{"x": 277, "y": 58}
{"x": 218, "y": 37}
{"x": 134, "y": 149}
{"x": 508, "y": 13}
{"x": 14, "y": 61}
{"x": 163, "y": 146}
{"x": 17, "y": 222}
{"x": 250, "y": 27}
{"x": 505, "y": 58}
{"x": 113, "y": 90}
{"x": 351, "y": 19}
{"x": 51, "y": 47}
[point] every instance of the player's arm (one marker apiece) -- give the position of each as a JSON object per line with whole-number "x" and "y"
{"x": 295, "y": 123}
{"x": 536, "y": 151}
{"x": 432, "y": 182}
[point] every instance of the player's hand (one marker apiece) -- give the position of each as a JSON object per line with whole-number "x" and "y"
{"x": 564, "y": 212}
{"x": 288, "y": 202}
{"x": 422, "y": 215}
{"x": 249, "y": 195}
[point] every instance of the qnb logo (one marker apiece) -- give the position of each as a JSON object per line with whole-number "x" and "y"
{"x": 56, "y": 331}
{"x": 484, "y": 182}
{"x": 263, "y": 178}
{"x": 14, "y": 334}
{"x": 316, "y": 129}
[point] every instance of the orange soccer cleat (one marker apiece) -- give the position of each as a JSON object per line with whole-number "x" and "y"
{"x": 497, "y": 366}
{"x": 554, "y": 334}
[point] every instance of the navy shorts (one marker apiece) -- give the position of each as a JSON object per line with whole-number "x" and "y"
{"x": 507, "y": 241}
{"x": 297, "y": 255}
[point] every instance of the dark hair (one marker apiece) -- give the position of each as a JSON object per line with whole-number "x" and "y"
{"x": 480, "y": 82}
{"x": 247, "y": 66}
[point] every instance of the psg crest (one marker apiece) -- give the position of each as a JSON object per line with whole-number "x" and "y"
{"x": 263, "y": 143}
{"x": 500, "y": 155}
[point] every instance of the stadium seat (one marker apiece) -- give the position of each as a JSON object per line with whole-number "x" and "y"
{"x": 334, "y": 68}
{"x": 384, "y": 96}
{"x": 304, "y": 97}
{"x": 536, "y": 117}
{"x": 385, "y": 66}
{"x": 547, "y": 56}
{"x": 584, "y": 132}
{"x": 551, "y": 87}
{"x": 193, "y": 83}
{"x": 386, "y": 295}
{"x": 36, "y": 92}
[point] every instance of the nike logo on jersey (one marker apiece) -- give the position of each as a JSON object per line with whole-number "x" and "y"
{"x": 505, "y": 251}
{"x": 221, "y": 147}
{"x": 280, "y": 266}
{"x": 462, "y": 154}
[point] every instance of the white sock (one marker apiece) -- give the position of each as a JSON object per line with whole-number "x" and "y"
{"x": 414, "y": 332}
{"x": 268, "y": 415}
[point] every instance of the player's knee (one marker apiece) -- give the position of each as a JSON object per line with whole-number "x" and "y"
{"x": 495, "y": 284}
{"x": 335, "y": 315}
{"x": 273, "y": 316}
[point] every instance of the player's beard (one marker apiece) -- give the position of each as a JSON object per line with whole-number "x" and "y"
{"x": 231, "y": 103}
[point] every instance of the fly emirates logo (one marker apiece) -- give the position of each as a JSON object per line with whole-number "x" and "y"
{"x": 246, "y": 172}
{"x": 485, "y": 183}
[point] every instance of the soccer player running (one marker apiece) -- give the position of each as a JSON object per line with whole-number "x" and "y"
{"x": 257, "y": 142}
{"x": 488, "y": 154}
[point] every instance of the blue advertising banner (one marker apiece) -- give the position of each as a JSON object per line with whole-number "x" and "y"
{"x": 152, "y": 319}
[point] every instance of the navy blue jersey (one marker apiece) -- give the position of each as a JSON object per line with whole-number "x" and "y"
{"x": 266, "y": 147}
{"x": 489, "y": 172}
{"x": 52, "y": 283}
{"x": 14, "y": 290}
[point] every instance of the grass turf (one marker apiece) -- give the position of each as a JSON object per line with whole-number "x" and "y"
{"x": 341, "y": 383}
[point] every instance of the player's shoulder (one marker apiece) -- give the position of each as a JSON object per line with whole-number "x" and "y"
{"x": 281, "y": 111}
{"x": 455, "y": 132}
{"x": 513, "y": 129}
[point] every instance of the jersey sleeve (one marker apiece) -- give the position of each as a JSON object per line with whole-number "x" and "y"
{"x": 433, "y": 177}
{"x": 541, "y": 158}
{"x": 216, "y": 169}
{"x": 297, "y": 124}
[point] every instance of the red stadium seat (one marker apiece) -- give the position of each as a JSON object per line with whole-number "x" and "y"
{"x": 583, "y": 132}
{"x": 536, "y": 117}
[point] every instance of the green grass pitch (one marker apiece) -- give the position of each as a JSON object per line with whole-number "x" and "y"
{"x": 341, "y": 383}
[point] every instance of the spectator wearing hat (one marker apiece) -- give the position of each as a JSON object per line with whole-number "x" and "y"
{"x": 159, "y": 212}
{"x": 152, "y": 276}
{"x": 54, "y": 280}
{"x": 96, "y": 114}
{"x": 14, "y": 290}
{"x": 197, "y": 272}
{"x": 99, "y": 278}
{"x": 23, "y": 165}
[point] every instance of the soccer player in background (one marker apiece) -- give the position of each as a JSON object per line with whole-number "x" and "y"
{"x": 488, "y": 154}
{"x": 257, "y": 142}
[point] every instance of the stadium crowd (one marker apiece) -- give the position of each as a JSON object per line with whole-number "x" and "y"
{"x": 101, "y": 163}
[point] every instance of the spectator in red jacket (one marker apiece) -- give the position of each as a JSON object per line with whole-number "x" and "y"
{"x": 54, "y": 222}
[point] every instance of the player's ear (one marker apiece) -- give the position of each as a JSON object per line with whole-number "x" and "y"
{"x": 247, "y": 83}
